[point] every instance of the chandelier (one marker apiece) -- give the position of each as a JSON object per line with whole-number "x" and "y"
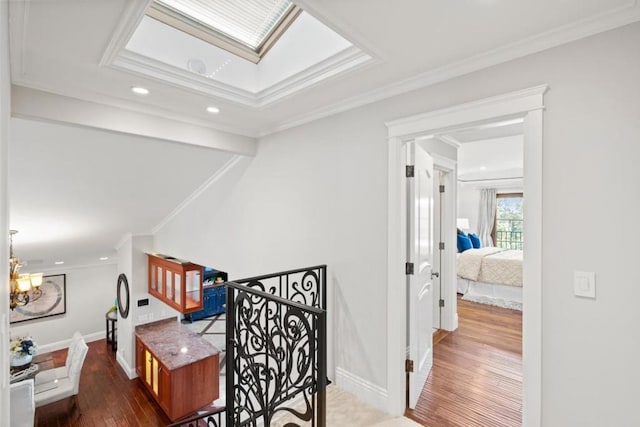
{"x": 23, "y": 287}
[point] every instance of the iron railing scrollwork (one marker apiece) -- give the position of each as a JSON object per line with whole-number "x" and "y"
{"x": 213, "y": 418}
{"x": 306, "y": 286}
{"x": 276, "y": 349}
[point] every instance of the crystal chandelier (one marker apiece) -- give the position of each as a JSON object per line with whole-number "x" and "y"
{"x": 23, "y": 287}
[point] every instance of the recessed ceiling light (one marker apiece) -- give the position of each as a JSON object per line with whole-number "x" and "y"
{"x": 483, "y": 168}
{"x": 59, "y": 262}
{"x": 139, "y": 90}
{"x": 104, "y": 258}
{"x": 213, "y": 110}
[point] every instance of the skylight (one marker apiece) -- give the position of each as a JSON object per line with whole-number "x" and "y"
{"x": 246, "y": 28}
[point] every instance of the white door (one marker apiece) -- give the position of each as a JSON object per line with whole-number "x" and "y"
{"x": 420, "y": 283}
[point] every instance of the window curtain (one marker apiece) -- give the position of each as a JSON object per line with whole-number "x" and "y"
{"x": 487, "y": 215}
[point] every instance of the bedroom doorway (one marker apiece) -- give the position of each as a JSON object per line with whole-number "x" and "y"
{"x": 526, "y": 105}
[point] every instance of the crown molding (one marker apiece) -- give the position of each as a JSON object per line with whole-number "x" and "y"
{"x": 626, "y": 14}
{"x": 208, "y": 183}
{"x": 347, "y": 60}
{"x": 151, "y": 68}
{"x": 129, "y": 20}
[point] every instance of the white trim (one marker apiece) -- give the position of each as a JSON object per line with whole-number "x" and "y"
{"x": 127, "y": 24}
{"x": 365, "y": 390}
{"x": 151, "y": 68}
{"x": 508, "y": 104}
{"x": 18, "y": 19}
{"x": 344, "y": 61}
{"x": 128, "y": 370}
{"x": 59, "y": 345}
{"x": 528, "y": 104}
{"x": 349, "y": 59}
{"x": 124, "y": 239}
{"x": 606, "y": 21}
{"x": 449, "y": 212}
{"x": 208, "y": 183}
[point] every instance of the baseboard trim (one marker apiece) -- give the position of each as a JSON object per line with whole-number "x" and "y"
{"x": 130, "y": 372}
{"x": 59, "y": 345}
{"x": 367, "y": 391}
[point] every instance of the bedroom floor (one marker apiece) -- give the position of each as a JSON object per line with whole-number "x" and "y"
{"x": 477, "y": 371}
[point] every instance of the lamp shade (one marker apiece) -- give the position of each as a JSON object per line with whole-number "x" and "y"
{"x": 24, "y": 283}
{"x": 462, "y": 223}
{"x": 36, "y": 280}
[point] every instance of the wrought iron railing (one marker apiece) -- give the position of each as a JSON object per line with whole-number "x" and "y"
{"x": 213, "y": 418}
{"x": 510, "y": 235}
{"x": 276, "y": 348}
{"x": 276, "y": 351}
{"x": 307, "y": 286}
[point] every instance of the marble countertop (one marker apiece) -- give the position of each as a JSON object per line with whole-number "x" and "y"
{"x": 173, "y": 344}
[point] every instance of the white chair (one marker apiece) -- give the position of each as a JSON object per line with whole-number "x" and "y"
{"x": 22, "y": 407}
{"x": 62, "y": 388}
{"x": 63, "y": 371}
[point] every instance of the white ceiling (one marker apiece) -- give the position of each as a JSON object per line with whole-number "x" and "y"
{"x": 75, "y": 192}
{"x": 58, "y": 45}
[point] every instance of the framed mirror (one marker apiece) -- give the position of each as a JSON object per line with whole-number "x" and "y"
{"x": 123, "y": 295}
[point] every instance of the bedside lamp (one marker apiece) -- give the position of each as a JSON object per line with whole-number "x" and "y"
{"x": 462, "y": 223}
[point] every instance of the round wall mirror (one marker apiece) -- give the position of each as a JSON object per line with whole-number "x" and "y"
{"x": 123, "y": 296}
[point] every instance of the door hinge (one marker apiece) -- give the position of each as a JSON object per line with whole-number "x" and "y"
{"x": 408, "y": 268}
{"x": 442, "y": 188}
{"x": 441, "y": 246}
{"x": 441, "y": 302}
{"x": 410, "y": 171}
{"x": 408, "y": 365}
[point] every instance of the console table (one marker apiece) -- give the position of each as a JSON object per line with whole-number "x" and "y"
{"x": 111, "y": 326}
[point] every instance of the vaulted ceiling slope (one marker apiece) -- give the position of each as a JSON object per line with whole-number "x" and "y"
{"x": 76, "y": 192}
{"x": 59, "y": 46}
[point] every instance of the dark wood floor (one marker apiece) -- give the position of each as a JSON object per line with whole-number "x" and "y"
{"x": 476, "y": 380}
{"x": 107, "y": 397}
{"x": 477, "y": 372}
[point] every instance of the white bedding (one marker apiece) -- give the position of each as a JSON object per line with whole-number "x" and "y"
{"x": 491, "y": 265}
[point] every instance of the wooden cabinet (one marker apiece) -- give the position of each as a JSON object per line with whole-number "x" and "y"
{"x": 177, "y": 283}
{"x": 181, "y": 373}
{"x": 180, "y": 391}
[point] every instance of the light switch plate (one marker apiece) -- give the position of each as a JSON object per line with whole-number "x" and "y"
{"x": 584, "y": 284}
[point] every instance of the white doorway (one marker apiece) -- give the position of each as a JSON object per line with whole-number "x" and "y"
{"x": 527, "y": 105}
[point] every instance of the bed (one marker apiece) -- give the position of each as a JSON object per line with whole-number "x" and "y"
{"x": 491, "y": 275}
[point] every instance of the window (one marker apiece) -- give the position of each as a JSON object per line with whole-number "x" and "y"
{"x": 246, "y": 29}
{"x": 507, "y": 230}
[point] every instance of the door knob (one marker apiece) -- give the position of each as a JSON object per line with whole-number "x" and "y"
{"x": 435, "y": 274}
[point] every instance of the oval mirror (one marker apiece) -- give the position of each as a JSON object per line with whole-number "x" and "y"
{"x": 123, "y": 296}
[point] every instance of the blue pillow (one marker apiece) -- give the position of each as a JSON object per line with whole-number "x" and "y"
{"x": 475, "y": 241}
{"x": 464, "y": 242}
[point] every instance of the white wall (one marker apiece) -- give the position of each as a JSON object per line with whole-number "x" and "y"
{"x": 91, "y": 292}
{"x": 133, "y": 262}
{"x": 307, "y": 198}
{"x": 317, "y": 193}
{"x": 5, "y": 102}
